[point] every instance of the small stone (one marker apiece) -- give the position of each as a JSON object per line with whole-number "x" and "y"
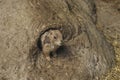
{"x": 115, "y": 43}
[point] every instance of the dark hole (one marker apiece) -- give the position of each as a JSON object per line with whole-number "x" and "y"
{"x": 63, "y": 51}
{"x": 39, "y": 45}
{"x": 51, "y": 54}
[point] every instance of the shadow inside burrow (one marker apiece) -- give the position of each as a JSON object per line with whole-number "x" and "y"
{"x": 63, "y": 51}
{"x": 39, "y": 44}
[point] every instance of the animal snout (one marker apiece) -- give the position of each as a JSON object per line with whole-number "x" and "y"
{"x": 61, "y": 42}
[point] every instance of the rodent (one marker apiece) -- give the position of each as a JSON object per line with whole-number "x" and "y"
{"x": 51, "y": 40}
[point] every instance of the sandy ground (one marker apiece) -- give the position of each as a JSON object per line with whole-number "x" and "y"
{"x": 108, "y": 16}
{"x": 109, "y": 23}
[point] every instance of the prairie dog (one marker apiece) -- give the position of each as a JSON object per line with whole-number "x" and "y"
{"x": 51, "y": 41}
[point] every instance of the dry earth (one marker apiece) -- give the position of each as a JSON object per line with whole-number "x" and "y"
{"x": 15, "y": 13}
{"x": 109, "y": 23}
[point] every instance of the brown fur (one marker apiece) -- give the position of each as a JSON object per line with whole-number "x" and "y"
{"x": 51, "y": 40}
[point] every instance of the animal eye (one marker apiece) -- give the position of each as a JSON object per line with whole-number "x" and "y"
{"x": 55, "y": 37}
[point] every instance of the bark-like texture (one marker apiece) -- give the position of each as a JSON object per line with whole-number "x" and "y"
{"x": 86, "y": 55}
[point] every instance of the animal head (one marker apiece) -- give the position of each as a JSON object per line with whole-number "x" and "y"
{"x": 53, "y": 37}
{"x": 56, "y": 37}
